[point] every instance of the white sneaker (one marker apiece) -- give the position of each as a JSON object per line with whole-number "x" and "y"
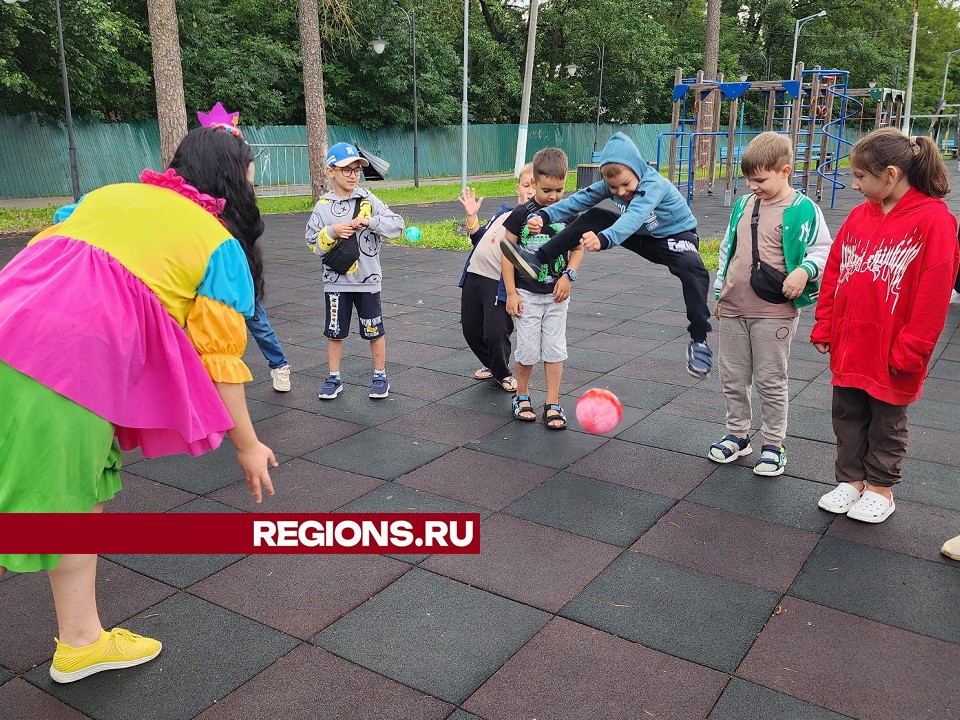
{"x": 951, "y": 548}
{"x": 839, "y": 500}
{"x": 872, "y": 507}
{"x": 281, "y": 378}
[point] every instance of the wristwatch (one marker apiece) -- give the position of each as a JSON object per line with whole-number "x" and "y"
{"x": 570, "y": 273}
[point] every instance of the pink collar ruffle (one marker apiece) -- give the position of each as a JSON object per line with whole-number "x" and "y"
{"x": 172, "y": 181}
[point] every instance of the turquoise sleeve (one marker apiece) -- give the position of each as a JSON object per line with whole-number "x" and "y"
{"x": 227, "y": 278}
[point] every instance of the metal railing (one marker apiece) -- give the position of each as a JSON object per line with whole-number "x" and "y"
{"x": 281, "y": 170}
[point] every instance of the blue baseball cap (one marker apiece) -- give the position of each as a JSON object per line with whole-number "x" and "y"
{"x": 343, "y": 154}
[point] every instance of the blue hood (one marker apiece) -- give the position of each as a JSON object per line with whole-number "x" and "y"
{"x": 621, "y": 149}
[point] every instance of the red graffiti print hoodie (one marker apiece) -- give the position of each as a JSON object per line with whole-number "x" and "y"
{"x": 885, "y": 294}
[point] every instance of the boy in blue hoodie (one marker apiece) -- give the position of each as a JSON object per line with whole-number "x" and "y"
{"x": 654, "y": 222}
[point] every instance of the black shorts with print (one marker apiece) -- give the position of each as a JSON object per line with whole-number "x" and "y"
{"x": 339, "y": 308}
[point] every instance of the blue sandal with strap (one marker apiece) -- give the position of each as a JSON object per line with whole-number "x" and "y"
{"x": 525, "y": 413}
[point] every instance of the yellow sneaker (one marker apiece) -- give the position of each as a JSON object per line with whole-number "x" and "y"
{"x": 114, "y": 650}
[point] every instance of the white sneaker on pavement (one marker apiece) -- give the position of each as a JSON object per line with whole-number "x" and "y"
{"x": 281, "y": 378}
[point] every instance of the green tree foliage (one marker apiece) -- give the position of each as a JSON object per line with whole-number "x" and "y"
{"x": 246, "y": 54}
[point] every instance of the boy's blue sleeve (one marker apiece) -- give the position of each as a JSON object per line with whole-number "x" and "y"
{"x": 643, "y": 203}
{"x": 581, "y": 200}
{"x": 66, "y": 211}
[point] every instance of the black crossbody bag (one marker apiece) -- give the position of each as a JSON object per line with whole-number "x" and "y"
{"x": 766, "y": 280}
{"x": 341, "y": 257}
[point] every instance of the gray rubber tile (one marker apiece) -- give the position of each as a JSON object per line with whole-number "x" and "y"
{"x": 811, "y": 424}
{"x": 672, "y": 432}
{"x": 527, "y": 562}
{"x": 443, "y": 337}
{"x": 603, "y": 511}
{"x": 354, "y": 405}
{"x": 433, "y": 634}
{"x": 446, "y": 424}
{"x": 644, "y": 468}
{"x": 625, "y": 345}
{"x": 934, "y": 413}
{"x": 431, "y": 385}
{"x": 647, "y": 331}
{"x": 181, "y": 570}
{"x": 744, "y": 700}
{"x": 317, "y": 590}
{"x": 884, "y": 586}
{"x": 673, "y": 371}
{"x": 643, "y": 394}
{"x": 296, "y": 432}
{"x": 573, "y": 380}
{"x": 142, "y": 495}
{"x": 190, "y": 674}
{"x": 664, "y": 316}
{"x": 573, "y": 672}
{"x": 200, "y": 475}
{"x": 28, "y": 623}
{"x": 933, "y": 445}
{"x": 706, "y": 619}
{"x": 19, "y": 700}
{"x": 480, "y": 397}
{"x": 737, "y": 547}
{"x": 462, "y": 363}
{"x": 344, "y": 691}
{"x": 943, "y": 390}
{"x": 785, "y": 500}
{"x": 816, "y": 395}
{"x": 586, "y": 321}
{"x": 817, "y": 655}
{"x": 301, "y": 486}
{"x": 260, "y": 410}
{"x": 477, "y": 478}
{"x": 917, "y": 530}
{"x": 379, "y": 453}
{"x": 5, "y": 675}
{"x": 463, "y": 715}
{"x": 594, "y": 360}
{"x": 533, "y": 442}
{"x": 929, "y": 483}
{"x": 946, "y": 369}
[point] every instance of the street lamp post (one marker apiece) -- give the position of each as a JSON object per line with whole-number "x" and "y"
{"x": 71, "y": 140}
{"x": 796, "y": 36}
{"x": 379, "y": 45}
{"x": 600, "y": 51}
{"x": 946, "y": 69}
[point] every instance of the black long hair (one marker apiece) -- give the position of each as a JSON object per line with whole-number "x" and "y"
{"x": 215, "y": 162}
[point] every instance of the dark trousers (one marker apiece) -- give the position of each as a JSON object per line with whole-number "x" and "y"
{"x": 679, "y": 254}
{"x": 871, "y": 438}
{"x": 486, "y": 325}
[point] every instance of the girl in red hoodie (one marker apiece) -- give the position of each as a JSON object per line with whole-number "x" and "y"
{"x": 883, "y": 301}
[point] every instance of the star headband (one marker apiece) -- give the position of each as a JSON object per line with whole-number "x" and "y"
{"x": 219, "y": 118}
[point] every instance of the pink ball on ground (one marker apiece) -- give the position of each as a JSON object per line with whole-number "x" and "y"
{"x": 599, "y": 411}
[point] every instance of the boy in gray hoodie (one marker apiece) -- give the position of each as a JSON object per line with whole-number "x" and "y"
{"x": 350, "y": 221}
{"x": 654, "y": 221}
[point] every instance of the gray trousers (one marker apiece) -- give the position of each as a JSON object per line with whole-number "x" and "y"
{"x": 871, "y": 437}
{"x": 755, "y": 351}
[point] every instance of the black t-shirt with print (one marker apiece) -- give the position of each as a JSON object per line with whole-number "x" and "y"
{"x": 516, "y": 224}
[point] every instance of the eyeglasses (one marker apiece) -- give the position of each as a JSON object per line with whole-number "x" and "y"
{"x": 351, "y": 171}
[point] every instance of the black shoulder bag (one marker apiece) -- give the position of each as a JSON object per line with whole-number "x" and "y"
{"x": 341, "y": 257}
{"x": 766, "y": 280}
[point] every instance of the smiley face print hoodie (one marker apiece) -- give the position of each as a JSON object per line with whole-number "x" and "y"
{"x": 885, "y": 294}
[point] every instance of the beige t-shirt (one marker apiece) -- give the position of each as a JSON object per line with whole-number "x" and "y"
{"x": 485, "y": 260}
{"x": 737, "y": 298}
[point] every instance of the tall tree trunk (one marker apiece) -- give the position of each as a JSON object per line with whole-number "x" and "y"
{"x": 167, "y": 76}
{"x": 711, "y": 46}
{"x": 308, "y": 19}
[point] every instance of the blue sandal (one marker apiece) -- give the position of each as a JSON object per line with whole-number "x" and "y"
{"x": 525, "y": 413}
{"x": 558, "y": 417}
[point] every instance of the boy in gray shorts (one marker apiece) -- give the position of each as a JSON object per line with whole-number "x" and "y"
{"x": 539, "y": 307}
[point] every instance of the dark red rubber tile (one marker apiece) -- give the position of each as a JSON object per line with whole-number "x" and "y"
{"x": 478, "y": 478}
{"x": 521, "y": 560}
{"x": 299, "y": 594}
{"x": 574, "y": 672}
{"x": 296, "y": 432}
{"x": 854, "y": 666}
{"x": 313, "y": 683}
{"x": 28, "y": 623}
{"x": 301, "y": 486}
{"x": 737, "y": 547}
{"x": 19, "y": 700}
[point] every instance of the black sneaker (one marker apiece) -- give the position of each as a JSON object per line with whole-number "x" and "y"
{"x": 522, "y": 259}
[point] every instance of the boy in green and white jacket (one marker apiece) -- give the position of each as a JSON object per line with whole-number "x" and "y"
{"x": 755, "y": 334}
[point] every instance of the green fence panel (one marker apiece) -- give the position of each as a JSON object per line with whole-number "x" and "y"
{"x": 34, "y": 160}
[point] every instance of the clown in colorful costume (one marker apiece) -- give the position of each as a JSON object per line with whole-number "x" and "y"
{"x": 106, "y": 333}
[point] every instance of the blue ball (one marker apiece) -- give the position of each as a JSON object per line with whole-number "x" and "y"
{"x": 413, "y": 234}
